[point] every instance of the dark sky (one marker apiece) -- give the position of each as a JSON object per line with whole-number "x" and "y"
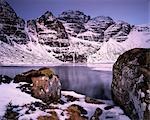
{"x": 132, "y": 11}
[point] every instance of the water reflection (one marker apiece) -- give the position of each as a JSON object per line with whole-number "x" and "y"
{"x": 82, "y": 79}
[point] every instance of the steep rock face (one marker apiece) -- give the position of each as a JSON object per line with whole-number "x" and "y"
{"x": 48, "y": 30}
{"x": 118, "y": 31}
{"x": 99, "y": 23}
{"x": 71, "y": 16}
{"x": 11, "y": 26}
{"x": 131, "y": 83}
{"x": 73, "y": 21}
{"x": 95, "y": 28}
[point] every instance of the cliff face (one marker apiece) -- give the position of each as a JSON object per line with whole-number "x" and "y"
{"x": 131, "y": 83}
{"x": 11, "y": 26}
{"x": 48, "y": 30}
{"x": 71, "y": 37}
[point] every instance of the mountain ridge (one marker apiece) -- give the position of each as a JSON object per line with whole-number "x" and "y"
{"x": 71, "y": 37}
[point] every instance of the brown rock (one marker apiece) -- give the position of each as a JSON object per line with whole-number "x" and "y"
{"x": 52, "y": 117}
{"x": 46, "y": 86}
{"x": 131, "y": 83}
{"x": 71, "y": 98}
{"x": 96, "y": 115}
{"x": 93, "y": 101}
{"x": 76, "y": 112}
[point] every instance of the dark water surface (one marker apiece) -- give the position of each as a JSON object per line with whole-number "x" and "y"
{"x": 82, "y": 79}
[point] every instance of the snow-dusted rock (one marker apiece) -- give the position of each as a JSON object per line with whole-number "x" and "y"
{"x": 48, "y": 30}
{"x": 131, "y": 83}
{"x": 73, "y": 21}
{"x": 110, "y": 50}
{"x": 95, "y": 28}
{"x": 71, "y": 16}
{"x": 118, "y": 31}
{"x": 11, "y": 26}
{"x": 91, "y": 36}
{"x": 5, "y": 79}
{"x": 99, "y": 23}
{"x": 141, "y": 28}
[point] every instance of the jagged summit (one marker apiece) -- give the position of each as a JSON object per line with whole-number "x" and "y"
{"x": 71, "y": 16}
{"x": 103, "y": 18}
{"x": 47, "y": 16}
{"x": 47, "y": 29}
{"x": 6, "y": 10}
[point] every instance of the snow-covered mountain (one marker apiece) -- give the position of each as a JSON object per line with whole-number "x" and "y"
{"x": 70, "y": 37}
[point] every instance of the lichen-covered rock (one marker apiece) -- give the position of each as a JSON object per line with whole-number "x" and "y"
{"x": 131, "y": 83}
{"x": 45, "y": 84}
{"x": 53, "y": 116}
{"x": 76, "y": 112}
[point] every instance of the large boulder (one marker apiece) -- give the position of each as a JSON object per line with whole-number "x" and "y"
{"x": 131, "y": 83}
{"x": 45, "y": 84}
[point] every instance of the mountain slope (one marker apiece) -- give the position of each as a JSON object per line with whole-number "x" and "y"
{"x": 70, "y": 37}
{"x": 111, "y": 50}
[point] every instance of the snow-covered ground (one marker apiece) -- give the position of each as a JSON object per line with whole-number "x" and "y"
{"x": 20, "y": 54}
{"x": 9, "y": 93}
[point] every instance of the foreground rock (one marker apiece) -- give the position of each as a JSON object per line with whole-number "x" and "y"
{"x": 131, "y": 83}
{"x": 45, "y": 84}
{"x": 72, "y": 106}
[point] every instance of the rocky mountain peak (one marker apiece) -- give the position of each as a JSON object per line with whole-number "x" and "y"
{"x": 99, "y": 23}
{"x": 47, "y": 29}
{"x": 76, "y": 16}
{"x": 119, "y": 31}
{"x": 12, "y": 26}
{"x": 103, "y": 19}
{"x": 7, "y": 14}
{"x": 47, "y": 16}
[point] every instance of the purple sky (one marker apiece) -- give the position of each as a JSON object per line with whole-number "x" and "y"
{"x": 132, "y": 11}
